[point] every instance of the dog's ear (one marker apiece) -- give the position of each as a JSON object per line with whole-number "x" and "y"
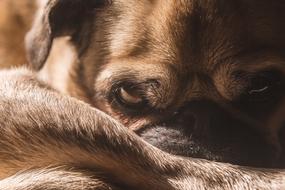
{"x": 59, "y": 18}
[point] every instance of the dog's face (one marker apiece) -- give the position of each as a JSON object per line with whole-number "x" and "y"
{"x": 195, "y": 78}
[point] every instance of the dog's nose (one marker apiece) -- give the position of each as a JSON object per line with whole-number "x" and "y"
{"x": 207, "y": 130}
{"x": 195, "y": 117}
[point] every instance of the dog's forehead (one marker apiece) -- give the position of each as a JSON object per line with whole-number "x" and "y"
{"x": 175, "y": 32}
{"x": 200, "y": 33}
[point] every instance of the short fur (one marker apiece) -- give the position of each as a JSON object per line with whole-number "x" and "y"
{"x": 193, "y": 61}
{"x": 51, "y": 141}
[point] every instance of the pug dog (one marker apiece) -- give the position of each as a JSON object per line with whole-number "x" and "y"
{"x": 199, "y": 79}
{"x": 194, "y": 78}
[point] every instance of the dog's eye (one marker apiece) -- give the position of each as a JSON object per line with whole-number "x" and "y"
{"x": 263, "y": 85}
{"x": 134, "y": 98}
{"x": 129, "y": 98}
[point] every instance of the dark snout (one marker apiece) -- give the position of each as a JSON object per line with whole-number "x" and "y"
{"x": 203, "y": 129}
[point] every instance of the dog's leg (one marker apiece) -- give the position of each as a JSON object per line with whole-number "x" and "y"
{"x": 53, "y": 179}
{"x": 41, "y": 128}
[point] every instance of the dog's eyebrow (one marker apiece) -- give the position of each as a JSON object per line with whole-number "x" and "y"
{"x": 251, "y": 60}
{"x": 269, "y": 57}
{"x": 133, "y": 80}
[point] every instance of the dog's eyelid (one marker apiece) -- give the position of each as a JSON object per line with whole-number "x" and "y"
{"x": 130, "y": 96}
{"x": 253, "y": 91}
{"x": 269, "y": 73}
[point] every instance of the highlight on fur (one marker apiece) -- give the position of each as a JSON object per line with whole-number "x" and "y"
{"x": 42, "y": 129}
{"x": 49, "y": 140}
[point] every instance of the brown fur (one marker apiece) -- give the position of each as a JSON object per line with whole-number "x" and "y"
{"x": 58, "y": 142}
{"x": 187, "y": 57}
{"x": 15, "y": 20}
{"x": 181, "y": 53}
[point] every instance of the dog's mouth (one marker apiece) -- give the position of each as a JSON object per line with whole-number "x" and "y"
{"x": 235, "y": 145}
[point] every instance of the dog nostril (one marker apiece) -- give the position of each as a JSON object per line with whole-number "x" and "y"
{"x": 187, "y": 119}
